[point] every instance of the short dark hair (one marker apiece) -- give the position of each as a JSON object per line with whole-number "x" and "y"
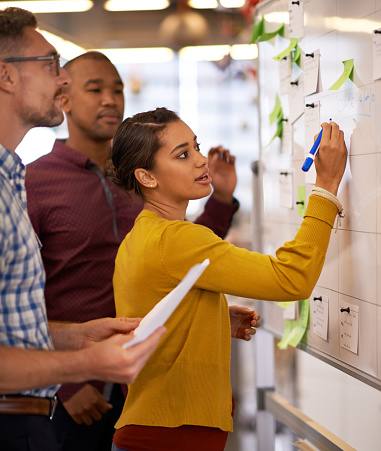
{"x": 135, "y": 144}
{"x": 90, "y": 55}
{"x": 12, "y": 24}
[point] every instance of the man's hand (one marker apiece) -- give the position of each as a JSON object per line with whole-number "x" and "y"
{"x": 243, "y": 321}
{"x": 222, "y": 170}
{"x": 87, "y": 405}
{"x": 109, "y": 361}
{"x": 100, "y": 329}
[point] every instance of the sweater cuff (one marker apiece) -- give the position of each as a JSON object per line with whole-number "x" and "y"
{"x": 318, "y": 222}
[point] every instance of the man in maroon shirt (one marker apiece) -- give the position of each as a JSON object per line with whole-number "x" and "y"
{"x": 81, "y": 218}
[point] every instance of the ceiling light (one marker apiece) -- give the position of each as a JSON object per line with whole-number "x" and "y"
{"x": 55, "y": 6}
{"x": 139, "y": 55}
{"x": 205, "y": 52}
{"x": 67, "y": 49}
{"x": 136, "y": 5}
{"x": 232, "y": 3}
{"x": 244, "y": 51}
{"x": 203, "y": 4}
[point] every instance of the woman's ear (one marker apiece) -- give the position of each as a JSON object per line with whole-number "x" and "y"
{"x": 145, "y": 178}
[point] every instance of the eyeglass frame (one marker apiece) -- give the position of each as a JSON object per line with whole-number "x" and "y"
{"x": 36, "y": 58}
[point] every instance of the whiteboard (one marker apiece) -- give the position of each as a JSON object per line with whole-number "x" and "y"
{"x": 338, "y": 30}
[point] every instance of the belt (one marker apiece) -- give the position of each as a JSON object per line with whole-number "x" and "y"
{"x": 28, "y": 405}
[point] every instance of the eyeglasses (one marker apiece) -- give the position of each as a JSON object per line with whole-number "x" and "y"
{"x": 55, "y": 58}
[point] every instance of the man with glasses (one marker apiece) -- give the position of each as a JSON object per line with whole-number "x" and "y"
{"x": 31, "y": 85}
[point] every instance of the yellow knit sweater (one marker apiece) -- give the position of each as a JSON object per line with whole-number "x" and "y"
{"x": 186, "y": 380}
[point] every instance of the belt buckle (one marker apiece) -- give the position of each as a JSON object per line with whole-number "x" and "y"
{"x": 53, "y": 405}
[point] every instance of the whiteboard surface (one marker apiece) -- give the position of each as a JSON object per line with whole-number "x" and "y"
{"x": 352, "y": 271}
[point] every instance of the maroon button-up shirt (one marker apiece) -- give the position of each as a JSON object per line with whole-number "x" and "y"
{"x": 81, "y": 218}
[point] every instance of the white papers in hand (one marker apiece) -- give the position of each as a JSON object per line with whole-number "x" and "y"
{"x": 164, "y": 309}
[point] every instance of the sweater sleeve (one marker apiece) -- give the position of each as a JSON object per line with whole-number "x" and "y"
{"x": 291, "y": 275}
{"x": 218, "y": 216}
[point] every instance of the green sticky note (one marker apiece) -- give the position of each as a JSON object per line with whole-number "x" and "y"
{"x": 296, "y": 56}
{"x": 277, "y": 110}
{"x": 285, "y": 304}
{"x": 302, "y": 323}
{"x": 294, "y": 331}
{"x": 301, "y": 200}
{"x": 347, "y": 73}
{"x": 278, "y": 132}
{"x": 257, "y": 31}
{"x": 272, "y": 34}
{"x": 293, "y": 44}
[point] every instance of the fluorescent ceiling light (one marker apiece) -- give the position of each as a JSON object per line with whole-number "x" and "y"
{"x": 139, "y": 55}
{"x": 67, "y": 49}
{"x": 244, "y": 51}
{"x": 54, "y": 6}
{"x": 136, "y": 5}
{"x": 232, "y": 3}
{"x": 203, "y": 4}
{"x": 204, "y": 52}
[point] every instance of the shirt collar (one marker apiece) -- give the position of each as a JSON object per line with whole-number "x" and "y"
{"x": 10, "y": 163}
{"x": 61, "y": 150}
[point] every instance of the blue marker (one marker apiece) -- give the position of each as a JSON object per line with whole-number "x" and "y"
{"x": 313, "y": 152}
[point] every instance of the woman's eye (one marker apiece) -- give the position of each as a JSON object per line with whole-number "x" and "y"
{"x": 183, "y": 155}
{"x": 198, "y": 147}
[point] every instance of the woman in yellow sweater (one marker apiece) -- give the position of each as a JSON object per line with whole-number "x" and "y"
{"x": 182, "y": 399}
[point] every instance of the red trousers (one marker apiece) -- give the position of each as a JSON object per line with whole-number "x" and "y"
{"x": 183, "y": 438}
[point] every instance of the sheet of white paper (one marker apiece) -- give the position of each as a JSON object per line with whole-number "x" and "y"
{"x": 286, "y": 141}
{"x": 296, "y": 19}
{"x": 286, "y": 187}
{"x": 319, "y": 306}
{"x": 311, "y": 72}
{"x": 296, "y": 98}
{"x": 163, "y": 309}
{"x": 349, "y": 326}
{"x": 312, "y": 127}
{"x": 285, "y": 72}
{"x": 377, "y": 54}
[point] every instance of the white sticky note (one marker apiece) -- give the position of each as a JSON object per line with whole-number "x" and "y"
{"x": 290, "y": 312}
{"x": 287, "y": 138}
{"x": 296, "y": 19}
{"x": 312, "y": 127}
{"x": 349, "y": 326}
{"x": 286, "y": 187}
{"x": 319, "y": 307}
{"x": 285, "y": 72}
{"x": 296, "y": 98}
{"x": 377, "y": 54}
{"x": 311, "y": 72}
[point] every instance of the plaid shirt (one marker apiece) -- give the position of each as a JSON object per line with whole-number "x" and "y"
{"x": 23, "y": 320}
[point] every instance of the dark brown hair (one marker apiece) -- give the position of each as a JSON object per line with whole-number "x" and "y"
{"x": 12, "y": 24}
{"x": 136, "y": 141}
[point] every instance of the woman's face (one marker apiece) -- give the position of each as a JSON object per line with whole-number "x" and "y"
{"x": 181, "y": 171}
